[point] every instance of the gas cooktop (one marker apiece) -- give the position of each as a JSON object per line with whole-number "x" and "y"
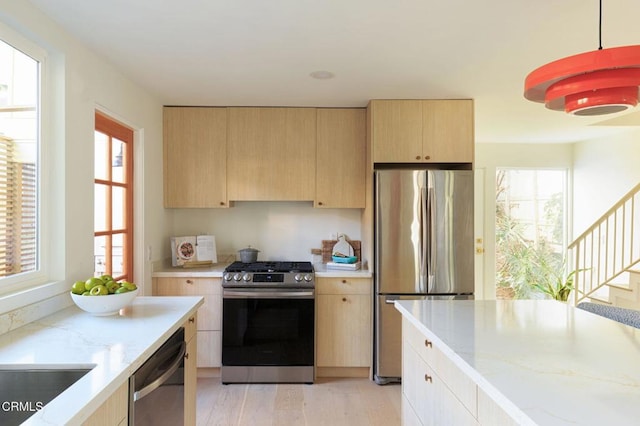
{"x": 269, "y": 274}
{"x": 295, "y": 267}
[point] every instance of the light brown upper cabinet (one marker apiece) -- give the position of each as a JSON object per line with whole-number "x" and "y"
{"x": 422, "y": 131}
{"x": 271, "y": 154}
{"x": 340, "y": 158}
{"x": 195, "y": 157}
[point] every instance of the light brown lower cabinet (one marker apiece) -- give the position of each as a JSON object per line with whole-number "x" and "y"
{"x": 209, "y": 330}
{"x": 190, "y": 371}
{"x": 114, "y": 411}
{"x": 435, "y": 391}
{"x": 343, "y": 332}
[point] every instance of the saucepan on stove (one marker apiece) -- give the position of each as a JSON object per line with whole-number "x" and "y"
{"x": 248, "y": 255}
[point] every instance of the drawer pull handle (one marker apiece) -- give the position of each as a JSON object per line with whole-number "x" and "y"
{"x": 186, "y": 355}
{"x": 192, "y": 320}
{"x": 344, "y": 281}
{"x": 189, "y": 282}
{"x": 428, "y": 343}
{"x": 427, "y": 378}
{"x": 344, "y": 299}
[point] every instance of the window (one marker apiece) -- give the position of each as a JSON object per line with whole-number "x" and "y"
{"x": 530, "y": 231}
{"x": 113, "y": 221}
{"x": 20, "y": 209}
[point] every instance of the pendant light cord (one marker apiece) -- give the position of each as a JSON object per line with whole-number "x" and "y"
{"x": 600, "y": 28}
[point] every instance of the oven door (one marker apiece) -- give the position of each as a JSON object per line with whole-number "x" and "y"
{"x": 268, "y": 327}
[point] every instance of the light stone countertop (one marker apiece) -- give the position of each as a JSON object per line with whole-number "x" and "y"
{"x": 544, "y": 362}
{"x": 116, "y": 345}
{"x": 216, "y": 271}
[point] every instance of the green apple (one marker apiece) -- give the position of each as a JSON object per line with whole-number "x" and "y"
{"x": 78, "y": 287}
{"x": 122, "y": 290}
{"x": 92, "y": 282}
{"x": 129, "y": 286}
{"x": 106, "y": 278}
{"x": 98, "y": 290}
{"x": 112, "y": 286}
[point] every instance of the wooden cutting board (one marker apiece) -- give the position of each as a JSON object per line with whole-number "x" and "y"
{"x": 327, "y": 249}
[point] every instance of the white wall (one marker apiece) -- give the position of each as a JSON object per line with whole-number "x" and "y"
{"x": 81, "y": 82}
{"x": 604, "y": 170}
{"x": 280, "y": 230}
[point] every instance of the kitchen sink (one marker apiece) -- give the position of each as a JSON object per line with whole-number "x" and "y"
{"x": 24, "y": 389}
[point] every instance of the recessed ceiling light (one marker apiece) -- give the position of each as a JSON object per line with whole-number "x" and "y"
{"x": 322, "y": 75}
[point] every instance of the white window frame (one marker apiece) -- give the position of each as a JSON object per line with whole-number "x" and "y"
{"x": 41, "y": 275}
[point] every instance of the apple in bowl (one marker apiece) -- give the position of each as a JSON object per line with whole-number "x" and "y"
{"x": 102, "y": 296}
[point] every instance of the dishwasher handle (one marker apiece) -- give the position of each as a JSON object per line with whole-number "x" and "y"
{"x": 138, "y": 395}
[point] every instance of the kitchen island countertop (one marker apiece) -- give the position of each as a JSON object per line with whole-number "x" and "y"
{"x": 115, "y": 346}
{"x": 544, "y": 362}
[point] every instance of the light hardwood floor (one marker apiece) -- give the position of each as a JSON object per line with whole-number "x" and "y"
{"x": 329, "y": 401}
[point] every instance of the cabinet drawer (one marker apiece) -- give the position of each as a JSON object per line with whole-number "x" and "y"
{"x": 455, "y": 379}
{"x": 343, "y": 286}
{"x": 428, "y": 394}
{"x": 210, "y": 313}
{"x": 181, "y": 286}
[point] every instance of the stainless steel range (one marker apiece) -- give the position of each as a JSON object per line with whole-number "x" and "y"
{"x": 268, "y": 322}
{"x": 269, "y": 274}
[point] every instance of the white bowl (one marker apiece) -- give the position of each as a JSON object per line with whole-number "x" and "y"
{"x": 104, "y": 305}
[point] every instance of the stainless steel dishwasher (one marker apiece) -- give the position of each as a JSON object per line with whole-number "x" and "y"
{"x": 156, "y": 389}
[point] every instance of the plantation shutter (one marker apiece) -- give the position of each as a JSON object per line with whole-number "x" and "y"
{"x": 18, "y": 212}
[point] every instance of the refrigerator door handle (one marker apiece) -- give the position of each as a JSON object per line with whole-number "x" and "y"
{"x": 423, "y": 240}
{"x": 429, "y": 238}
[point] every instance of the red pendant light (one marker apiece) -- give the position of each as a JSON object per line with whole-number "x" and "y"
{"x": 601, "y": 82}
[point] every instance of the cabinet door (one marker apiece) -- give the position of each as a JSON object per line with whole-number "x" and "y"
{"x": 340, "y": 161}
{"x": 195, "y": 157}
{"x": 428, "y": 395}
{"x": 114, "y": 411}
{"x": 448, "y": 135}
{"x": 190, "y": 382}
{"x": 396, "y": 127}
{"x": 209, "y": 321}
{"x": 343, "y": 309}
{"x": 210, "y": 313}
{"x": 209, "y": 349}
{"x": 272, "y": 154}
{"x": 343, "y": 330}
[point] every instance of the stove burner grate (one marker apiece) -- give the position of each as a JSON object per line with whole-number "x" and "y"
{"x": 282, "y": 267}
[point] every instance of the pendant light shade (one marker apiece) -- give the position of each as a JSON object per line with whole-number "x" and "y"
{"x": 592, "y": 83}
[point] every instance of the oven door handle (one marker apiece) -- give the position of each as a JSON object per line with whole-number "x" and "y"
{"x": 268, "y": 294}
{"x": 164, "y": 377}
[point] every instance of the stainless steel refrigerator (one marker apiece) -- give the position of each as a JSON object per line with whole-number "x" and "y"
{"x": 423, "y": 247}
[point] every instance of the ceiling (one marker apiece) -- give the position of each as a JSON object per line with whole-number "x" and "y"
{"x": 261, "y": 53}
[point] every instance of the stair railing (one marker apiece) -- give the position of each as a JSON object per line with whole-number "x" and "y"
{"x": 608, "y": 248}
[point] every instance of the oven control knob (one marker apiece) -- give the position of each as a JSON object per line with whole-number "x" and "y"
{"x": 246, "y": 277}
{"x": 237, "y": 277}
{"x": 308, "y": 277}
{"x": 298, "y": 278}
{"x": 228, "y": 276}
